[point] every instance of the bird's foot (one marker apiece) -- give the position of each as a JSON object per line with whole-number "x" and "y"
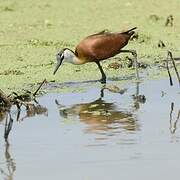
{"x": 136, "y": 64}
{"x": 103, "y": 80}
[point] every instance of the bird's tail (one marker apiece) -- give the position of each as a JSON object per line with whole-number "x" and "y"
{"x": 130, "y": 31}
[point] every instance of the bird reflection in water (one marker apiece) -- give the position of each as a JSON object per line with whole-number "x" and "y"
{"x": 101, "y": 116}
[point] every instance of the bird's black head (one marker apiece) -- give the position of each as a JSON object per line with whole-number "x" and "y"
{"x": 59, "y": 57}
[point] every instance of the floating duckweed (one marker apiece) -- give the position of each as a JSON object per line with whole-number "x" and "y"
{"x": 144, "y": 38}
{"x": 31, "y": 38}
{"x": 7, "y": 8}
{"x": 11, "y": 72}
{"x": 154, "y": 17}
{"x": 38, "y": 42}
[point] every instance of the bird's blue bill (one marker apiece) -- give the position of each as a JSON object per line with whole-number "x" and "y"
{"x": 57, "y": 66}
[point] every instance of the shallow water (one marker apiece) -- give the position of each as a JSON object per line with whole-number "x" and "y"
{"x": 96, "y": 134}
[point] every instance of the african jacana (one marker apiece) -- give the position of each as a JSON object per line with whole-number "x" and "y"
{"x": 97, "y": 47}
{"x": 108, "y": 114}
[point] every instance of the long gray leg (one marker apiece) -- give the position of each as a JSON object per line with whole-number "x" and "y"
{"x": 133, "y": 52}
{"x": 103, "y": 79}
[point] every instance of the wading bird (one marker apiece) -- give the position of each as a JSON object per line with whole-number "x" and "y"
{"x": 97, "y": 47}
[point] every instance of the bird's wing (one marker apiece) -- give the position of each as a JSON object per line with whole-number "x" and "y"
{"x": 101, "y": 46}
{"x": 109, "y": 45}
{"x": 103, "y": 32}
{"x": 129, "y": 31}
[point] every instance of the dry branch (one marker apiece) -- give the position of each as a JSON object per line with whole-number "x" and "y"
{"x": 167, "y": 67}
{"x": 7, "y": 101}
{"x": 34, "y": 94}
{"x": 174, "y": 65}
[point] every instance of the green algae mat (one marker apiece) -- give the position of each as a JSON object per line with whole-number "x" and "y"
{"x": 32, "y": 31}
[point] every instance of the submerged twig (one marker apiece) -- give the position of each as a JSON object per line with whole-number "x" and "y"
{"x": 174, "y": 65}
{"x": 172, "y": 108}
{"x": 167, "y": 67}
{"x": 170, "y": 117}
{"x": 178, "y": 116}
{"x": 8, "y": 127}
{"x": 175, "y": 123}
{"x": 173, "y": 126}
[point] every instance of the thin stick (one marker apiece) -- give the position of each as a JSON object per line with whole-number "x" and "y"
{"x": 174, "y": 65}
{"x": 34, "y": 94}
{"x": 175, "y": 123}
{"x": 172, "y": 108}
{"x": 170, "y": 116}
{"x": 178, "y": 115}
{"x": 170, "y": 78}
{"x": 8, "y": 127}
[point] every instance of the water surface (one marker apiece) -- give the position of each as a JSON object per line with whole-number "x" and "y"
{"x": 96, "y": 134}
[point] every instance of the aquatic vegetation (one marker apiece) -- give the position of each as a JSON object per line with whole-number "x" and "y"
{"x": 11, "y": 72}
{"x": 28, "y": 45}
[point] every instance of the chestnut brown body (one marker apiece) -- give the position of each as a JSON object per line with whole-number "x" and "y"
{"x": 102, "y": 45}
